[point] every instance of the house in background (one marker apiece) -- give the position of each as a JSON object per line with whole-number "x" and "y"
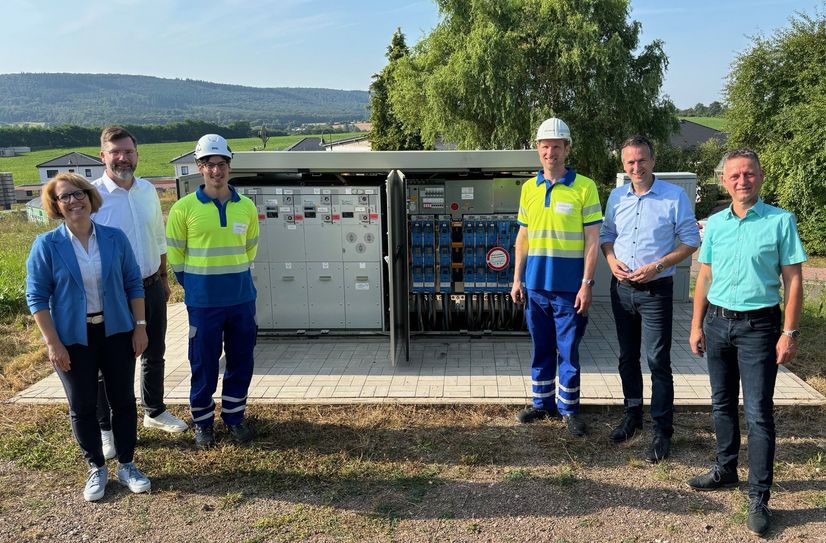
{"x": 82, "y": 164}
{"x": 184, "y": 164}
{"x": 24, "y": 193}
{"x": 356, "y": 143}
{"x": 691, "y": 134}
{"x": 312, "y": 143}
{"x": 14, "y": 151}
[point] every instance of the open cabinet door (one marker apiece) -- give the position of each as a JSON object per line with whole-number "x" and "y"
{"x": 398, "y": 268}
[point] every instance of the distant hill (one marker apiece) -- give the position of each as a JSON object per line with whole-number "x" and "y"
{"x": 97, "y": 99}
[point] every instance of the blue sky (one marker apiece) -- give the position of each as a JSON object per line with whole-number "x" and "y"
{"x": 331, "y": 43}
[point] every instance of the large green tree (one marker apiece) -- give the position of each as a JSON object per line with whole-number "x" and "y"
{"x": 776, "y": 98}
{"x": 388, "y": 132}
{"x": 492, "y": 70}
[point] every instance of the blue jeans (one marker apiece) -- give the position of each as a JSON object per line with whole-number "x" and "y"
{"x": 556, "y": 330}
{"x": 743, "y": 351}
{"x": 643, "y": 317}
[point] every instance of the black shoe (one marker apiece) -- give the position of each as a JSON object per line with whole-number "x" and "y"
{"x": 659, "y": 449}
{"x": 714, "y": 479}
{"x": 204, "y": 436}
{"x": 532, "y": 414}
{"x": 239, "y": 432}
{"x": 626, "y": 429}
{"x": 576, "y": 425}
{"x": 759, "y": 513}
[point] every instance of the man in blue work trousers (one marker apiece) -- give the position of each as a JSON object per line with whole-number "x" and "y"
{"x": 643, "y": 219}
{"x": 737, "y": 320}
{"x": 555, "y": 258}
{"x": 212, "y": 239}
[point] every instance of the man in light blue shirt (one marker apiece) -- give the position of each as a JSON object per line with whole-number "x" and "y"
{"x": 643, "y": 221}
{"x": 747, "y": 248}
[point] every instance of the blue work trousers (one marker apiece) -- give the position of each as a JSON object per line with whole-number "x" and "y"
{"x": 212, "y": 329}
{"x": 556, "y": 330}
{"x": 642, "y": 316}
{"x": 743, "y": 351}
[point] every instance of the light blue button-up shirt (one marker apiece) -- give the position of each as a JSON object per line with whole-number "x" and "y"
{"x": 746, "y": 255}
{"x": 645, "y": 228}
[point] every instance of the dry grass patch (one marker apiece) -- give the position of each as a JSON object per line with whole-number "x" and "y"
{"x": 23, "y": 359}
{"x": 400, "y": 473}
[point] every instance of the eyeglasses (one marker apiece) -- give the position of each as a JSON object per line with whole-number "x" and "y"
{"x": 215, "y": 165}
{"x": 67, "y": 196}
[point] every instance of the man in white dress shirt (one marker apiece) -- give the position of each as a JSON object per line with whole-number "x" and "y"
{"x": 132, "y": 204}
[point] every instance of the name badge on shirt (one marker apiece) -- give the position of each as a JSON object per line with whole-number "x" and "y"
{"x": 564, "y": 207}
{"x": 239, "y": 228}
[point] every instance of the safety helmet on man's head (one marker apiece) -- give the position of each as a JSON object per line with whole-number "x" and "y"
{"x": 212, "y": 144}
{"x": 553, "y": 129}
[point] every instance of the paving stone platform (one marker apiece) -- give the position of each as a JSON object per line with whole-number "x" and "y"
{"x": 456, "y": 370}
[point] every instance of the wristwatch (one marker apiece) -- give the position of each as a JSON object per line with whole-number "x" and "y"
{"x": 660, "y": 267}
{"x": 140, "y": 323}
{"x": 794, "y": 334}
{"x": 588, "y": 282}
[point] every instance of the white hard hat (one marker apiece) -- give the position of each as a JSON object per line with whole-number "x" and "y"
{"x": 553, "y": 129}
{"x": 212, "y": 144}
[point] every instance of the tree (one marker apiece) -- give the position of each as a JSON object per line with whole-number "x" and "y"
{"x": 490, "y": 72}
{"x": 388, "y": 133}
{"x": 776, "y": 97}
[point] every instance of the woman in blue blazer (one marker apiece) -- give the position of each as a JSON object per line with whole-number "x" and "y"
{"x": 84, "y": 288}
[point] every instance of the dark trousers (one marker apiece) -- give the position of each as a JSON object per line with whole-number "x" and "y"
{"x": 114, "y": 358}
{"x": 212, "y": 329}
{"x": 643, "y": 317}
{"x": 152, "y": 360}
{"x": 556, "y": 332}
{"x": 743, "y": 351}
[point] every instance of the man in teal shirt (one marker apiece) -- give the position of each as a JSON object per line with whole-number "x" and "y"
{"x": 737, "y": 324}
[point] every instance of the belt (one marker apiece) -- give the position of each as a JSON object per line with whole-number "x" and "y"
{"x": 740, "y": 315}
{"x": 94, "y": 318}
{"x": 152, "y": 279}
{"x": 649, "y": 285}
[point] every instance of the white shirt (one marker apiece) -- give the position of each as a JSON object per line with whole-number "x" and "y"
{"x": 90, "y": 270}
{"x": 137, "y": 212}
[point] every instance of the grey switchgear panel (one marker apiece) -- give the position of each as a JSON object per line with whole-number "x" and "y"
{"x": 321, "y": 254}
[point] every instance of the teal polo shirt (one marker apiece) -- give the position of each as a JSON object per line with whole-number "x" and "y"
{"x": 746, "y": 255}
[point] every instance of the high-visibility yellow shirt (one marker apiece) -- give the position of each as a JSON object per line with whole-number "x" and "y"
{"x": 210, "y": 247}
{"x": 556, "y": 215}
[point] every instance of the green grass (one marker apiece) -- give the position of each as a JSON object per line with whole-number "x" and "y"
{"x": 717, "y": 123}
{"x": 16, "y": 236}
{"x": 154, "y": 157}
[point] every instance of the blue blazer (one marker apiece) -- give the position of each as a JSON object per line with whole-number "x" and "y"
{"x": 53, "y": 282}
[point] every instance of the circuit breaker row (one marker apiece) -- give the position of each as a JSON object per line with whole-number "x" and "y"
{"x": 460, "y": 256}
{"x": 319, "y": 258}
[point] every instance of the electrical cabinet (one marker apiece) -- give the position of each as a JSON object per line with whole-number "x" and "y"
{"x": 395, "y": 243}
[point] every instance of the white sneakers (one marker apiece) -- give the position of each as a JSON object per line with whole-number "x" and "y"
{"x": 96, "y": 483}
{"x": 108, "y": 439}
{"x": 166, "y": 421}
{"x": 129, "y": 475}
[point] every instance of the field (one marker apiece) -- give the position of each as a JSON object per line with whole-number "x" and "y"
{"x": 154, "y": 157}
{"x": 717, "y": 123}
